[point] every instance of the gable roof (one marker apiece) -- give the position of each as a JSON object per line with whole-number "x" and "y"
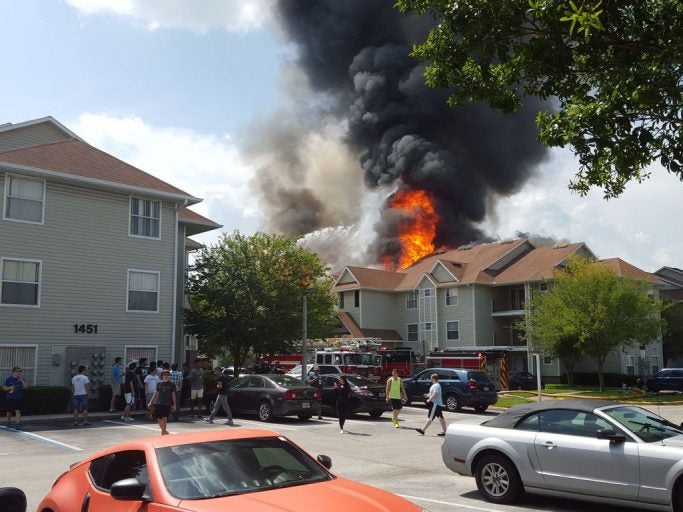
{"x": 539, "y": 264}
{"x": 74, "y": 160}
{"x": 195, "y": 223}
{"x": 6, "y": 127}
{"x": 358, "y": 332}
{"x": 623, "y": 269}
{"x": 369, "y": 278}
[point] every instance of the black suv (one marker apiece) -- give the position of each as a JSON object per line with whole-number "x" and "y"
{"x": 459, "y": 388}
{"x": 668, "y": 379}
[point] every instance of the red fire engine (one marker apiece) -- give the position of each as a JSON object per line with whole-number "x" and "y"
{"x": 399, "y": 359}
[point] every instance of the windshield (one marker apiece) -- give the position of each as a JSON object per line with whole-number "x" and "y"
{"x": 224, "y": 468}
{"x": 644, "y": 424}
{"x": 359, "y": 359}
{"x": 360, "y": 382}
{"x": 287, "y": 381}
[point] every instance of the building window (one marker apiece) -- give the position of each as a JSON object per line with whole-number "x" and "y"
{"x": 412, "y": 332}
{"x": 451, "y": 296}
{"x": 548, "y": 360}
{"x": 341, "y": 300}
{"x": 428, "y": 326}
{"x": 20, "y": 282}
{"x": 145, "y": 217}
{"x": 411, "y": 299}
{"x": 452, "y": 330}
{"x": 143, "y": 291}
{"x": 356, "y": 298}
{"x": 24, "y": 199}
{"x": 543, "y": 287}
{"x": 428, "y": 292}
{"x": 23, "y": 356}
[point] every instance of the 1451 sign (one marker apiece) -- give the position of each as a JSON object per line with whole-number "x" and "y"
{"x": 85, "y": 328}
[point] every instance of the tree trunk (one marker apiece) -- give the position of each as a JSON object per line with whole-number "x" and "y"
{"x": 601, "y": 377}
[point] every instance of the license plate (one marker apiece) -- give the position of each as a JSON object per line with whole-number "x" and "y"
{"x": 306, "y": 405}
{"x": 382, "y": 395}
{"x": 486, "y": 388}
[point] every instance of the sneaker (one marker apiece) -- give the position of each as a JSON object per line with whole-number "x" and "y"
{"x": 320, "y": 417}
{"x": 112, "y": 410}
{"x": 420, "y": 431}
{"x": 341, "y": 431}
{"x": 229, "y": 422}
{"x": 123, "y": 418}
{"x": 208, "y": 420}
{"x": 129, "y": 419}
{"x": 441, "y": 434}
{"x": 85, "y": 423}
{"x": 395, "y": 422}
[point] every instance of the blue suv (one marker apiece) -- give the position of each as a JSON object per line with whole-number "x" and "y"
{"x": 668, "y": 379}
{"x": 459, "y": 387}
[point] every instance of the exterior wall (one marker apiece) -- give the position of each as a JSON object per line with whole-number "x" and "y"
{"x": 378, "y": 309}
{"x": 461, "y": 312}
{"x": 86, "y": 252}
{"x": 404, "y": 316}
{"x": 482, "y": 313}
{"x": 42, "y": 133}
{"x": 441, "y": 274}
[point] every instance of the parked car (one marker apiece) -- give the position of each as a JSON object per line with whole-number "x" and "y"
{"x": 366, "y": 396}
{"x": 459, "y": 388}
{"x": 581, "y": 449}
{"x": 325, "y": 369}
{"x": 668, "y": 379}
{"x": 245, "y": 470}
{"x": 523, "y": 380}
{"x": 270, "y": 396}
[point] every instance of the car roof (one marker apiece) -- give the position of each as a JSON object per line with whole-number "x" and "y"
{"x": 511, "y": 417}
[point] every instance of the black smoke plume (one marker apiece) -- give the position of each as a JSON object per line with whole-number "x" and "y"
{"x": 355, "y": 54}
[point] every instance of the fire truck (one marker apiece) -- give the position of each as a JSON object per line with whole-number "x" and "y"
{"x": 399, "y": 359}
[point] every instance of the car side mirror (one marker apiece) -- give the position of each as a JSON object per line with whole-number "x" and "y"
{"x": 325, "y": 460}
{"x": 129, "y": 489}
{"x": 12, "y": 499}
{"x": 608, "y": 433}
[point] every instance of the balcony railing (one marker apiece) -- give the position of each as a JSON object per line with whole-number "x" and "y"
{"x": 508, "y": 339}
{"x": 498, "y": 305}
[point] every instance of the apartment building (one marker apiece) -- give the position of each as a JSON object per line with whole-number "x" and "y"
{"x": 466, "y": 302}
{"x": 93, "y": 253}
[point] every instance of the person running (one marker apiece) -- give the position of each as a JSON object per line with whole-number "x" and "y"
{"x": 395, "y": 394}
{"x": 14, "y": 398}
{"x": 341, "y": 394}
{"x": 435, "y": 406}
{"x": 165, "y": 399}
{"x": 116, "y": 381}
{"x": 130, "y": 389}
{"x": 221, "y": 398}
{"x": 196, "y": 386}
{"x": 80, "y": 385}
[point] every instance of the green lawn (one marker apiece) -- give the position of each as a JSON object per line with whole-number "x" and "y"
{"x": 559, "y": 391}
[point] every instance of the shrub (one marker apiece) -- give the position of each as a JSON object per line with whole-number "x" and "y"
{"x": 44, "y": 400}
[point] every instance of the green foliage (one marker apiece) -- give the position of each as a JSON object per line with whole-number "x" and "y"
{"x": 43, "y": 400}
{"x": 614, "y": 69}
{"x": 673, "y": 334}
{"x": 246, "y": 296}
{"x": 592, "y": 311}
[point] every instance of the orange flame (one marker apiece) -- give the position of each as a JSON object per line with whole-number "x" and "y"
{"x": 418, "y": 233}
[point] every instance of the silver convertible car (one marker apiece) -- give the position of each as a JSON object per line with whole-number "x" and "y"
{"x": 597, "y": 451}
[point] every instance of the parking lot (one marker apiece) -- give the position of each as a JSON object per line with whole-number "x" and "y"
{"x": 372, "y": 451}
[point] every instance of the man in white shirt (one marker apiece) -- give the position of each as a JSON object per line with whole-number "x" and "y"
{"x": 151, "y": 383}
{"x": 80, "y": 385}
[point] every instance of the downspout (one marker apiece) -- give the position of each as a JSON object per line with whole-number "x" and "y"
{"x": 175, "y": 282}
{"x": 474, "y": 316}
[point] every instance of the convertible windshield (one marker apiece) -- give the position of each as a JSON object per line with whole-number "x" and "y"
{"x": 646, "y": 425}
{"x": 222, "y": 468}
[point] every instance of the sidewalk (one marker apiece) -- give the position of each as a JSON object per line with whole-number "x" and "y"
{"x": 139, "y": 415}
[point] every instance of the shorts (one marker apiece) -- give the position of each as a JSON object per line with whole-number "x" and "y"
{"x": 128, "y": 398}
{"x": 196, "y": 393}
{"x": 80, "y": 403}
{"x": 14, "y": 405}
{"x": 148, "y": 398}
{"x": 116, "y": 389}
{"x": 162, "y": 411}
{"x": 396, "y": 404}
{"x": 435, "y": 411}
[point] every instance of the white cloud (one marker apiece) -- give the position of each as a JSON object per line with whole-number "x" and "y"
{"x": 199, "y": 16}
{"x": 638, "y": 227}
{"x": 202, "y": 165}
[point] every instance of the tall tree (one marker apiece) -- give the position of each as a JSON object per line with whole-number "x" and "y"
{"x": 673, "y": 334}
{"x": 246, "y": 296}
{"x": 595, "y": 310}
{"x": 614, "y": 68}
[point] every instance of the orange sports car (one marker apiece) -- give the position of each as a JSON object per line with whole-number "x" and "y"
{"x": 212, "y": 471}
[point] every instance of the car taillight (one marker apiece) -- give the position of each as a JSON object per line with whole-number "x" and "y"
{"x": 471, "y": 385}
{"x": 317, "y": 394}
{"x": 290, "y": 395}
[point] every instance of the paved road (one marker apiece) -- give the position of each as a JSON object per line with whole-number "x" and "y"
{"x": 398, "y": 460}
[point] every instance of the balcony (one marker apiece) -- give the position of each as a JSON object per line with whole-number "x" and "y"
{"x": 507, "y": 306}
{"x": 508, "y": 339}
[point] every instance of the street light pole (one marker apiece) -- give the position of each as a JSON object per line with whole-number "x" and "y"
{"x": 303, "y": 337}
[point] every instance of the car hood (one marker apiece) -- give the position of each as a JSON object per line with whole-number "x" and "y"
{"x": 676, "y": 441}
{"x": 339, "y": 495}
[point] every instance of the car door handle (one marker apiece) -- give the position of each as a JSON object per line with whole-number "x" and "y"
{"x": 549, "y": 445}
{"x": 85, "y": 506}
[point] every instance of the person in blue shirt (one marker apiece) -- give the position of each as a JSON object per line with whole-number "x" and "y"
{"x": 14, "y": 398}
{"x": 435, "y": 404}
{"x": 116, "y": 381}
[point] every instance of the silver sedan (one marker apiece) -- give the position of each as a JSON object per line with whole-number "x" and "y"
{"x": 597, "y": 451}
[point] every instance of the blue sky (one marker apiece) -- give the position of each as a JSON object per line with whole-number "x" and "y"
{"x": 172, "y": 86}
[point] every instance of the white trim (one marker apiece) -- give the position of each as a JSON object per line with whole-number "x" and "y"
{"x": 440, "y": 263}
{"x": 130, "y": 214}
{"x": 458, "y": 330}
{"x": 40, "y": 281}
{"x": 111, "y": 185}
{"x": 417, "y": 298}
{"x": 4, "y": 204}
{"x": 35, "y": 355}
{"x": 143, "y": 271}
{"x": 457, "y": 296}
{"x": 416, "y": 324}
{"x": 125, "y": 354}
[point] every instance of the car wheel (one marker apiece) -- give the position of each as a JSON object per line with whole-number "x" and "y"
{"x": 264, "y": 411}
{"x": 481, "y": 407}
{"x": 677, "y": 497}
{"x": 304, "y": 416}
{"x": 376, "y": 414}
{"x": 497, "y": 479}
{"x": 453, "y": 403}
